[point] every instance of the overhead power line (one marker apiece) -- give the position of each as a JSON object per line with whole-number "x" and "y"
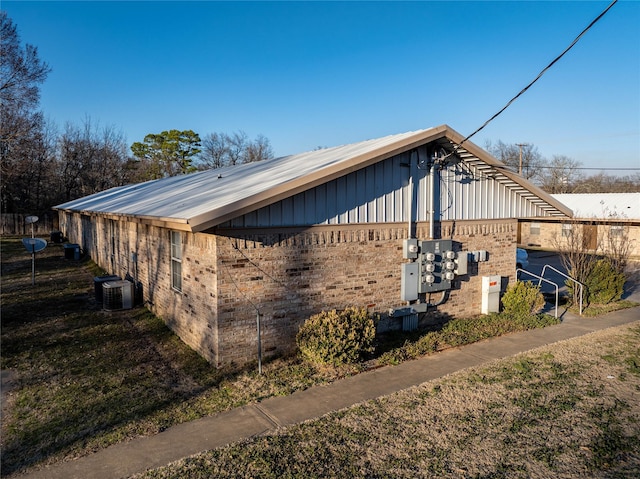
{"x": 555, "y": 167}
{"x": 590, "y": 168}
{"x": 544, "y": 70}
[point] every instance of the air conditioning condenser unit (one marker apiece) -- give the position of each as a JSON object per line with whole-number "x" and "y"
{"x": 117, "y": 295}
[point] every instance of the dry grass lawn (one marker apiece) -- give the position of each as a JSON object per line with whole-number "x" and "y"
{"x": 77, "y": 379}
{"x": 570, "y": 410}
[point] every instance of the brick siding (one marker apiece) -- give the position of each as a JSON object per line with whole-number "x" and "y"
{"x": 286, "y": 275}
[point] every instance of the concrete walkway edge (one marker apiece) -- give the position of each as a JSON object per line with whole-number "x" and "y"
{"x": 138, "y": 455}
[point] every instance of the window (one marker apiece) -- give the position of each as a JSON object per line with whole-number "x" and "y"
{"x": 566, "y": 230}
{"x": 616, "y": 231}
{"x": 176, "y": 260}
{"x": 534, "y": 229}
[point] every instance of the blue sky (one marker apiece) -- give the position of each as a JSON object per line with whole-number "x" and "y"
{"x": 315, "y": 74}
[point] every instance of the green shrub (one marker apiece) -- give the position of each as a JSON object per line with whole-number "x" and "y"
{"x": 522, "y": 298}
{"x": 423, "y": 346}
{"x": 604, "y": 284}
{"x": 336, "y": 338}
{"x": 461, "y": 331}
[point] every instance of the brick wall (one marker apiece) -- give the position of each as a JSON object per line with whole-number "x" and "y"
{"x": 286, "y": 275}
{"x": 143, "y": 251}
{"x": 291, "y": 276}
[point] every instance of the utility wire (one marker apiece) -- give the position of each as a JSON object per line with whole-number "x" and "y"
{"x": 552, "y": 167}
{"x": 589, "y": 168}
{"x": 257, "y": 266}
{"x": 239, "y": 290}
{"x": 544, "y": 70}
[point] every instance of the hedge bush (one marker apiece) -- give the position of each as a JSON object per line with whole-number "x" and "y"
{"x": 604, "y": 284}
{"x": 337, "y": 337}
{"x": 459, "y": 332}
{"x": 522, "y": 298}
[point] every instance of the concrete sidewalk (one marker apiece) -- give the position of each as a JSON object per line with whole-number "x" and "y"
{"x": 123, "y": 460}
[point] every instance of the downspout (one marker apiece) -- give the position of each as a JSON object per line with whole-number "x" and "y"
{"x": 411, "y": 193}
{"x": 432, "y": 199}
{"x": 410, "y": 207}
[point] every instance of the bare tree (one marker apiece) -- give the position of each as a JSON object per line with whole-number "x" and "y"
{"x": 258, "y": 150}
{"x": 21, "y": 71}
{"x": 560, "y": 174}
{"x": 21, "y": 126}
{"x": 603, "y": 183}
{"x": 107, "y": 168}
{"x": 237, "y": 143}
{"x": 75, "y": 153}
{"x": 618, "y": 246}
{"x": 582, "y": 244}
{"x": 90, "y": 159}
{"x": 221, "y": 149}
{"x": 578, "y": 247}
{"x": 42, "y": 170}
{"x": 520, "y": 158}
{"x": 214, "y": 151}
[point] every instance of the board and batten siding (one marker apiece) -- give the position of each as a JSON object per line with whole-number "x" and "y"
{"x": 380, "y": 194}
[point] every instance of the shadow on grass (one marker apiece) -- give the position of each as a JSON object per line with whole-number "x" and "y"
{"x": 84, "y": 377}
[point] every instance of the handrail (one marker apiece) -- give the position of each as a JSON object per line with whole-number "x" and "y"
{"x": 541, "y": 279}
{"x": 568, "y": 277}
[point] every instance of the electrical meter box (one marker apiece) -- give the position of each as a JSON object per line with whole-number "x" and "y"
{"x": 437, "y": 265}
{"x": 434, "y": 267}
{"x": 410, "y": 248}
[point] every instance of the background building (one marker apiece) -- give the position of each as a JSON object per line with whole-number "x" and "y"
{"x": 601, "y": 219}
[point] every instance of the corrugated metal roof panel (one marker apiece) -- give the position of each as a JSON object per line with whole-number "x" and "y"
{"x": 182, "y": 198}
{"x": 602, "y": 205}
{"x": 201, "y": 200}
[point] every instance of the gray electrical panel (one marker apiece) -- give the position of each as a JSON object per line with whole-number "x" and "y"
{"x": 462, "y": 261}
{"x": 437, "y": 263}
{"x": 435, "y": 267}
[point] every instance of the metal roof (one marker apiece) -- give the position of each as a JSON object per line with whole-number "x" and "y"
{"x": 625, "y": 206}
{"x": 198, "y": 201}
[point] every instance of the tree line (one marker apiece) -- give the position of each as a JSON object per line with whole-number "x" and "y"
{"x": 560, "y": 174}
{"x": 41, "y": 166}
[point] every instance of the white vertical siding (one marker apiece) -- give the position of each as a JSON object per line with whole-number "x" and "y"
{"x": 379, "y": 194}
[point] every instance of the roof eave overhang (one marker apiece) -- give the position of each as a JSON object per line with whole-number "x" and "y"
{"x": 503, "y": 170}
{"x": 180, "y": 224}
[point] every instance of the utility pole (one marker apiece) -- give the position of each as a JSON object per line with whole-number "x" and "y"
{"x": 521, "y": 145}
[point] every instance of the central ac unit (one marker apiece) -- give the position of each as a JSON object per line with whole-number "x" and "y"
{"x": 117, "y": 295}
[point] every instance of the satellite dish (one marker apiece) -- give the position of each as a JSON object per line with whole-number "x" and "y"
{"x": 34, "y": 245}
{"x": 30, "y": 220}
